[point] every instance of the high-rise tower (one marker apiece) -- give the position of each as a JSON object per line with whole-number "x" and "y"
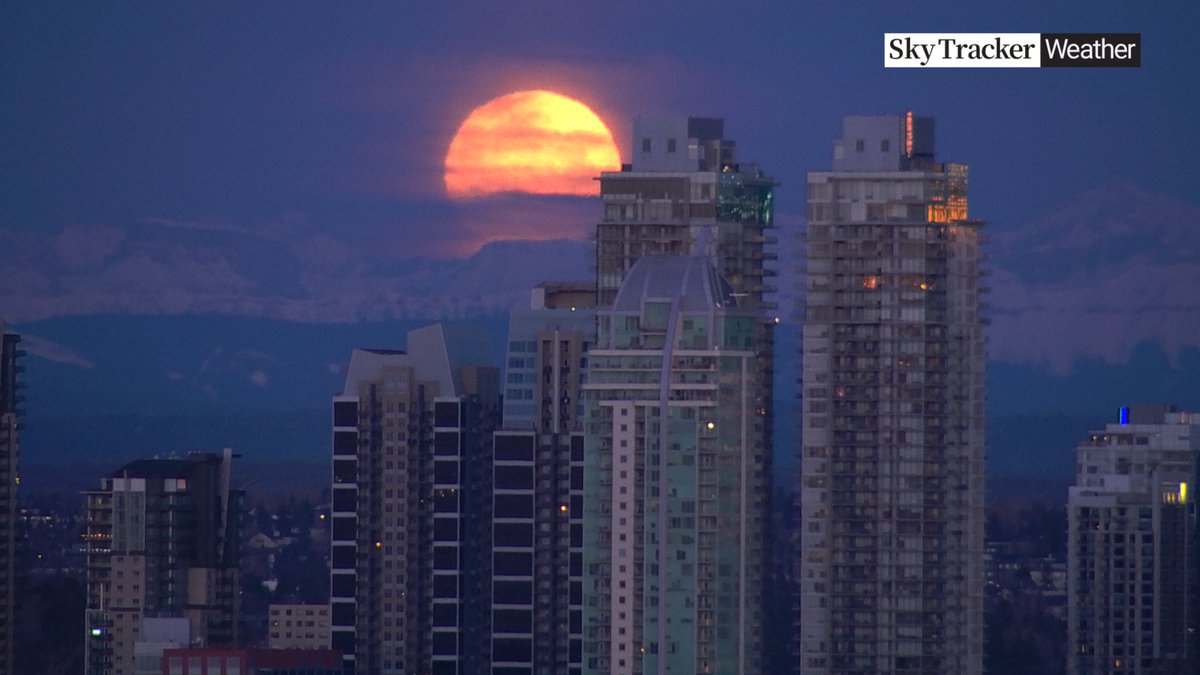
{"x": 538, "y": 505}
{"x": 412, "y": 497}
{"x": 162, "y": 540}
{"x": 892, "y": 456}
{"x": 684, "y": 193}
{"x": 10, "y": 423}
{"x": 1131, "y": 534}
{"x": 675, "y": 482}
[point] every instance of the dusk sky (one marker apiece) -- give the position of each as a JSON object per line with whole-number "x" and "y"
{"x": 340, "y": 115}
{"x": 205, "y": 206}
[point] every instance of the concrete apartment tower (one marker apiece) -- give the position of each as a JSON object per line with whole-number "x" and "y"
{"x": 892, "y": 458}
{"x": 1131, "y": 547}
{"x": 684, "y": 193}
{"x": 10, "y": 425}
{"x": 412, "y": 498}
{"x": 162, "y": 539}
{"x": 537, "y": 531}
{"x": 675, "y": 487}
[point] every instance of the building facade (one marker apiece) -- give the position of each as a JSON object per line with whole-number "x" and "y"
{"x": 298, "y": 626}
{"x": 1131, "y": 539}
{"x": 10, "y": 426}
{"x": 161, "y": 538}
{"x": 537, "y": 611}
{"x": 684, "y": 193}
{"x": 892, "y": 457}
{"x": 251, "y": 662}
{"x": 412, "y": 498}
{"x": 675, "y": 482}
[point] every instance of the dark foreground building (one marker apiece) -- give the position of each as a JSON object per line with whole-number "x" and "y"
{"x": 412, "y": 500}
{"x": 162, "y": 539}
{"x": 537, "y": 532}
{"x": 10, "y": 425}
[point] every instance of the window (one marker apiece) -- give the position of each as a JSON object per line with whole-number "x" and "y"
{"x": 884, "y": 145}
{"x": 858, "y": 145}
{"x": 670, "y": 145}
{"x": 645, "y": 145}
{"x": 345, "y": 413}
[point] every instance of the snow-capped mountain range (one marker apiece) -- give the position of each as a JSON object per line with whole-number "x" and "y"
{"x": 160, "y": 268}
{"x": 1105, "y": 271}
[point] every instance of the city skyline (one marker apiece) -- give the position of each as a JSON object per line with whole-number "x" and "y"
{"x": 203, "y": 212}
{"x": 227, "y": 166}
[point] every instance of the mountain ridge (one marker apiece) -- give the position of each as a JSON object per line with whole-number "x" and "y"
{"x": 1104, "y": 271}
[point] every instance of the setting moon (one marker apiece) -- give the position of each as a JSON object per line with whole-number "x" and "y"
{"x": 536, "y": 142}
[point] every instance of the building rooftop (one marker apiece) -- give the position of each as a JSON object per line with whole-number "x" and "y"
{"x": 692, "y": 280}
{"x": 435, "y": 352}
{"x": 884, "y": 143}
{"x": 168, "y": 467}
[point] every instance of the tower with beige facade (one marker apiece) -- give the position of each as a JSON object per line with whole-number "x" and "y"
{"x": 1131, "y": 546}
{"x": 892, "y": 458}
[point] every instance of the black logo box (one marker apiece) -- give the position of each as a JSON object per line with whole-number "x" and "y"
{"x": 1134, "y": 40}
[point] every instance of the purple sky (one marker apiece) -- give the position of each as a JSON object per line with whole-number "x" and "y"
{"x": 340, "y": 114}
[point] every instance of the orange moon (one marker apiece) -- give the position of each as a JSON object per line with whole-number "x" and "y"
{"x": 536, "y": 142}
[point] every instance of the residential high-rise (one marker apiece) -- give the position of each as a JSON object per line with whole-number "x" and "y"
{"x": 684, "y": 193}
{"x": 537, "y": 609}
{"x": 161, "y": 538}
{"x": 547, "y": 345}
{"x": 10, "y": 425}
{"x": 412, "y": 498}
{"x": 1131, "y": 535}
{"x": 675, "y": 482}
{"x": 892, "y": 459}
